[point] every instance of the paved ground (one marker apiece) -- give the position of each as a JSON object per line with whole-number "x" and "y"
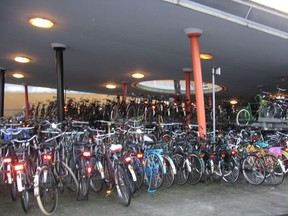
{"x": 179, "y": 200}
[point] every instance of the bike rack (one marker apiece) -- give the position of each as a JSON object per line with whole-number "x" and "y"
{"x": 271, "y": 123}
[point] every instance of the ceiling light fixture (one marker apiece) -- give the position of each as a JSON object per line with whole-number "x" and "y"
{"x": 233, "y": 102}
{"x": 110, "y": 86}
{"x": 41, "y": 22}
{"x": 138, "y": 75}
{"x": 18, "y": 75}
{"x": 206, "y": 56}
{"x": 22, "y": 59}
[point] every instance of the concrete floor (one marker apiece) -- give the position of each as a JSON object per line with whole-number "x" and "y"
{"x": 179, "y": 200}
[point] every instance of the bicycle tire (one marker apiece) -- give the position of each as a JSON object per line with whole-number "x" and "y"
{"x": 268, "y": 111}
{"x": 139, "y": 170}
{"x": 13, "y": 189}
{"x": 114, "y": 113}
{"x": 182, "y": 171}
{"x": 45, "y": 187}
{"x": 122, "y": 185}
{"x": 274, "y": 172}
{"x": 197, "y": 169}
{"x": 131, "y": 112}
{"x": 25, "y": 200}
{"x": 83, "y": 181}
{"x": 243, "y": 117}
{"x": 153, "y": 172}
{"x": 68, "y": 178}
{"x": 96, "y": 180}
{"x": 254, "y": 170}
{"x": 169, "y": 176}
{"x": 232, "y": 170}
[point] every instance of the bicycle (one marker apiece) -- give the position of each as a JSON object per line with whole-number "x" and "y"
{"x": 265, "y": 110}
{"x": 52, "y": 174}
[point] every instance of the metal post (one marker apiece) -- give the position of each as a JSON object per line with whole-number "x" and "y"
{"x": 59, "y": 48}
{"x": 213, "y": 102}
{"x": 26, "y": 102}
{"x": 2, "y": 87}
{"x": 215, "y": 71}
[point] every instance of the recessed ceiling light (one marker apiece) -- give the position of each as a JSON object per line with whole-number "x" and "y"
{"x": 233, "y": 102}
{"x": 18, "y": 75}
{"x": 22, "y": 59}
{"x": 206, "y": 56}
{"x": 41, "y": 22}
{"x": 110, "y": 86}
{"x": 138, "y": 75}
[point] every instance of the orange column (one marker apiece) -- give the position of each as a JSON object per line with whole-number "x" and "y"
{"x": 124, "y": 89}
{"x": 187, "y": 72}
{"x": 194, "y": 34}
{"x": 26, "y": 102}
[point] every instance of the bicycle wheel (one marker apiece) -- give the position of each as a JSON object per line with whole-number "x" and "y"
{"x": 13, "y": 189}
{"x": 182, "y": 169}
{"x": 131, "y": 112}
{"x": 274, "y": 172}
{"x": 114, "y": 113}
{"x": 45, "y": 190}
{"x": 68, "y": 178}
{"x": 122, "y": 185}
{"x": 25, "y": 200}
{"x": 231, "y": 170}
{"x": 253, "y": 169}
{"x": 169, "y": 176}
{"x": 218, "y": 171}
{"x": 138, "y": 169}
{"x": 96, "y": 179}
{"x": 197, "y": 169}
{"x": 243, "y": 117}
{"x": 153, "y": 172}
{"x": 268, "y": 111}
{"x": 83, "y": 181}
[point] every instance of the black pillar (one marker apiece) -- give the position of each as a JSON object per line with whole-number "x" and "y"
{"x": 59, "y": 48}
{"x": 2, "y": 85}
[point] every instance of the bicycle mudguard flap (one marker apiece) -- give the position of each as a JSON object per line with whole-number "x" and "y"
{"x": 276, "y": 151}
{"x": 116, "y": 148}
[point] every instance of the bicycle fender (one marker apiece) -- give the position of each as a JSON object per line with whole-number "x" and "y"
{"x": 132, "y": 173}
{"x": 19, "y": 177}
{"x": 36, "y": 182}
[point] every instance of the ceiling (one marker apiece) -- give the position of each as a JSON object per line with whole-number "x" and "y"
{"x": 109, "y": 40}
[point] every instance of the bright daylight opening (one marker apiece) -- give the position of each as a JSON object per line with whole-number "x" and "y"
{"x": 281, "y": 5}
{"x": 168, "y": 86}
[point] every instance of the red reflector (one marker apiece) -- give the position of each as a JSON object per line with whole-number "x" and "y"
{"x": 139, "y": 155}
{"x": 47, "y": 157}
{"x": 86, "y": 153}
{"x": 128, "y": 159}
{"x": 212, "y": 156}
{"x": 259, "y": 155}
{"x": 7, "y": 160}
{"x": 189, "y": 156}
{"x": 286, "y": 149}
{"x": 89, "y": 169}
{"x": 201, "y": 155}
{"x": 19, "y": 167}
{"x": 233, "y": 152}
{"x": 223, "y": 155}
